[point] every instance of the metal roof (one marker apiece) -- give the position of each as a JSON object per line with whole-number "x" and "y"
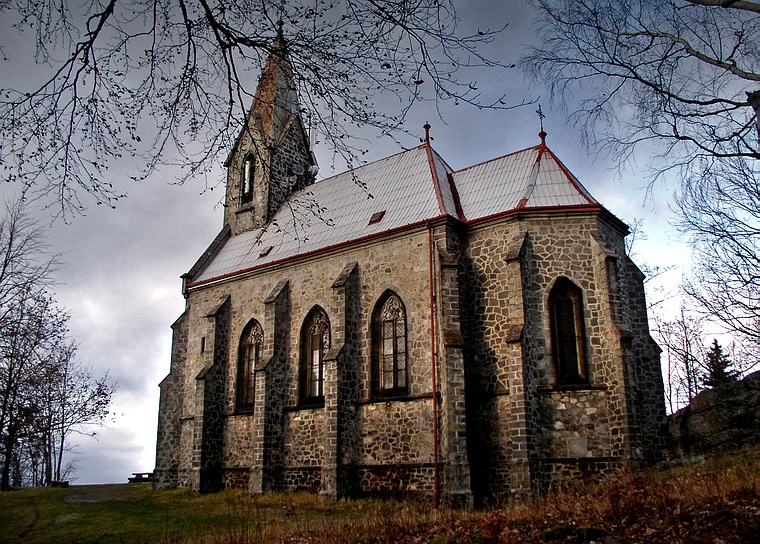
{"x": 534, "y": 175}
{"x": 410, "y": 187}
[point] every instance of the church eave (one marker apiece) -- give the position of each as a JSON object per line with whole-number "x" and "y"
{"x": 209, "y": 254}
{"x": 577, "y": 209}
{"x": 319, "y": 252}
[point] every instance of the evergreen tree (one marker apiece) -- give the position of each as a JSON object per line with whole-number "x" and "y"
{"x": 718, "y": 366}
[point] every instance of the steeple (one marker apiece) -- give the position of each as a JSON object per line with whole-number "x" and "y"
{"x": 272, "y": 156}
{"x": 276, "y": 100}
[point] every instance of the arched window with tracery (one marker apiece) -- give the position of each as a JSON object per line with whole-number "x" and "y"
{"x": 315, "y": 343}
{"x": 249, "y": 355}
{"x": 389, "y": 353}
{"x": 246, "y": 185}
{"x": 568, "y": 333}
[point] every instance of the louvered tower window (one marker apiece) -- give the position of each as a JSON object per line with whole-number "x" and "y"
{"x": 246, "y": 185}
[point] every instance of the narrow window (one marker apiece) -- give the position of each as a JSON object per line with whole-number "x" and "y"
{"x": 389, "y": 360}
{"x": 315, "y": 343}
{"x": 249, "y": 355}
{"x": 568, "y": 333}
{"x": 246, "y": 187}
{"x": 613, "y": 284}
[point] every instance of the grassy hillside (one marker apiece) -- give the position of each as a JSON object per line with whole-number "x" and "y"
{"x": 716, "y": 501}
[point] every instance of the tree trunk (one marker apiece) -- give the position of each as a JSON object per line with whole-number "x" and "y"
{"x": 5, "y": 478}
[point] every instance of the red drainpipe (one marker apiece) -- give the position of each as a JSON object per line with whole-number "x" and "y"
{"x": 436, "y": 476}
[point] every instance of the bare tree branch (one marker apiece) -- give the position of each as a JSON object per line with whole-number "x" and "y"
{"x": 168, "y": 82}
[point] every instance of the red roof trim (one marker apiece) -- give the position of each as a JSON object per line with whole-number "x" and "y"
{"x": 320, "y": 251}
{"x": 580, "y": 208}
{"x": 538, "y": 210}
{"x": 434, "y": 174}
{"x": 455, "y": 195}
{"x": 583, "y": 192}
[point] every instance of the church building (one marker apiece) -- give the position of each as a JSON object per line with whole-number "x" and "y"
{"x": 405, "y": 328}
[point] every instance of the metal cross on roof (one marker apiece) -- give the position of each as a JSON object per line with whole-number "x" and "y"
{"x": 541, "y": 116}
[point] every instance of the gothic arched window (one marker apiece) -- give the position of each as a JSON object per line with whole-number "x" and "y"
{"x": 249, "y": 355}
{"x": 315, "y": 343}
{"x": 568, "y": 333}
{"x": 389, "y": 359}
{"x": 246, "y": 185}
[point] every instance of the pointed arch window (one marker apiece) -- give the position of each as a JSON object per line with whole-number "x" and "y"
{"x": 389, "y": 353}
{"x": 249, "y": 355}
{"x": 246, "y": 185}
{"x": 568, "y": 333}
{"x": 315, "y": 343}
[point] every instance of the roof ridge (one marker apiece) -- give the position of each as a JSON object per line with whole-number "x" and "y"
{"x": 532, "y": 148}
{"x": 574, "y": 181}
{"x": 434, "y": 175}
{"x": 366, "y": 165}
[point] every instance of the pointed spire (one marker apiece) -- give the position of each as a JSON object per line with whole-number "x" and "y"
{"x": 276, "y": 100}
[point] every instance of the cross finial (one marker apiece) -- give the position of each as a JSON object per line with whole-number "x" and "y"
{"x": 541, "y": 116}
{"x": 427, "y": 133}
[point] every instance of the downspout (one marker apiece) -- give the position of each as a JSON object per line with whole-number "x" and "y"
{"x": 434, "y": 362}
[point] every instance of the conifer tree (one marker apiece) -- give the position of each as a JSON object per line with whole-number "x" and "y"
{"x": 719, "y": 367}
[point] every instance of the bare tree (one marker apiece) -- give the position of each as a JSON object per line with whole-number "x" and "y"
{"x": 29, "y": 335}
{"x": 676, "y": 73}
{"x": 679, "y": 81}
{"x": 719, "y": 209}
{"x": 71, "y": 400}
{"x": 25, "y": 315}
{"x": 24, "y": 260}
{"x": 45, "y": 392}
{"x": 169, "y": 81}
{"x": 683, "y": 359}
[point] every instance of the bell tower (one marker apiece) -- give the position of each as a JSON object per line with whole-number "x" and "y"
{"x": 272, "y": 157}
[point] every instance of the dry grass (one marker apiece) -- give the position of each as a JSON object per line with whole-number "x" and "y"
{"x": 713, "y": 502}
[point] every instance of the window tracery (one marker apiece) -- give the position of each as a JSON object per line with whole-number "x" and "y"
{"x": 315, "y": 342}
{"x": 389, "y": 365}
{"x": 249, "y": 355}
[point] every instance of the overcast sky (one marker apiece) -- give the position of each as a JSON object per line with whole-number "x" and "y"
{"x": 121, "y": 268}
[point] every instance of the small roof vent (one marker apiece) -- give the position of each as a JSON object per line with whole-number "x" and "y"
{"x": 376, "y": 217}
{"x": 266, "y": 252}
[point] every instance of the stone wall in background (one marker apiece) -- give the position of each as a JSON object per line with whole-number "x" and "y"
{"x": 717, "y": 419}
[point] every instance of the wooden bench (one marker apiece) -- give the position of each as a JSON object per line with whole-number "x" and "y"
{"x": 138, "y": 477}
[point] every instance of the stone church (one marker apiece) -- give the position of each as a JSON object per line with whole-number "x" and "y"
{"x": 405, "y": 328}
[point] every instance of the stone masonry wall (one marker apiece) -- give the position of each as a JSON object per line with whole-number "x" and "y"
{"x": 513, "y": 401}
{"x": 566, "y": 247}
{"x": 491, "y": 286}
{"x": 273, "y": 161}
{"x": 168, "y": 441}
{"x": 493, "y": 326}
{"x": 400, "y": 265}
